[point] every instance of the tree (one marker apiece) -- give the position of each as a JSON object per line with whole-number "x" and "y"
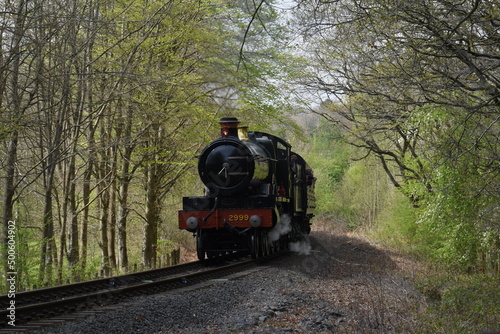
{"x": 14, "y": 101}
{"x": 417, "y": 85}
{"x": 97, "y": 101}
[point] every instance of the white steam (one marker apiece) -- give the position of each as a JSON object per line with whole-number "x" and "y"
{"x": 302, "y": 247}
{"x": 282, "y": 227}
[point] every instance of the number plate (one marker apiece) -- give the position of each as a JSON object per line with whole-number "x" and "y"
{"x": 237, "y": 218}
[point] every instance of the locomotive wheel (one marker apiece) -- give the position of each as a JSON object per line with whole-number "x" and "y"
{"x": 255, "y": 251}
{"x": 283, "y": 243}
{"x": 200, "y": 251}
{"x": 265, "y": 244}
{"x": 275, "y": 247}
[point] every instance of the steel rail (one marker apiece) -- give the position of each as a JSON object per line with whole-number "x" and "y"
{"x": 81, "y": 302}
{"x": 68, "y": 290}
{"x": 63, "y": 303}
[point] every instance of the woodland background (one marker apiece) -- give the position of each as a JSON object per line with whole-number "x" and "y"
{"x": 395, "y": 104}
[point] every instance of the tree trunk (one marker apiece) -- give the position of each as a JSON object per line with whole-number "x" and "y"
{"x": 62, "y": 242}
{"x": 88, "y": 103}
{"x": 104, "y": 207}
{"x": 124, "y": 133}
{"x": 122, "y": 215}
{"x": 87, "y": 175}
{"x": 73, "y": 251}
{"x": 16, "y": 112}
{"x": 104, "y": 188}
{"x": 152, "y": 217}
{"x": 8, "y": 199}
{"x": 112, "y": 215}
{"x": 48, "y": 248}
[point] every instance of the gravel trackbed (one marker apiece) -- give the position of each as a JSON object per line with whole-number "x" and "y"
{"x": 343, "y": 285}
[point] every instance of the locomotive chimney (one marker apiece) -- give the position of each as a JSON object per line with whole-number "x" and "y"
{"x": 229, "y": 127}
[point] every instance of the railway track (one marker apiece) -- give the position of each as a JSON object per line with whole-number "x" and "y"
{"x": 51, "y": 305}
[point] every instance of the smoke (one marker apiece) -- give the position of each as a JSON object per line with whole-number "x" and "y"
{"x": 302, "y": 247}
{"x": 282, "y": 227}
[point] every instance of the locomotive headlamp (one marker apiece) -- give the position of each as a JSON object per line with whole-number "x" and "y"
{"x": 192, "y": 222}
{"x": 255, "y": 221}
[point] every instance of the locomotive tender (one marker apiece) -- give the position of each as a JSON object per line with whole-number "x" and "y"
{"x": 256, "y": 200}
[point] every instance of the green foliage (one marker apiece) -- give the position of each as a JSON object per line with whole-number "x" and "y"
{"x": 328, "y": 155}
{"x": 411, "y": 100}
{"x": 362, "y": 194}
{"x": 474, "y": 302}
{"x": 457, "y": 221}
{"x": 26, "y": 257}
{"x": 137, "y": 91}
{"x": 461, "y": 303}
{"x": 449, "y": 226}
{"x": 355, "y": 191}
{"x": 452, "y": 217}
{"x": 165, "y": 246}
{"x": 258, "y": 65}
{"x": 451, "y": 222}
{"x": 396, "y": 223}
{"x": 400, "y": 75}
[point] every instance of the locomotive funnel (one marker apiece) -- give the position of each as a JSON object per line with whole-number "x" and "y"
{"x": 229, "y": 127}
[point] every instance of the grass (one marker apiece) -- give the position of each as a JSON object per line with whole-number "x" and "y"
{"x": 461, "y": 303}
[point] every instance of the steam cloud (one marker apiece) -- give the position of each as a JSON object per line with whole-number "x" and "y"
{"x": 302, "y": 247}
{"x": 282, "y": 227}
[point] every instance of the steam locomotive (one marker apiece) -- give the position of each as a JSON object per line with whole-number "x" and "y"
{"x": 257, "y": 198}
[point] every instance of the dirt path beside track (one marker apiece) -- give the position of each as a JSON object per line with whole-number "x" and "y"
{"x": 351, "y": 286}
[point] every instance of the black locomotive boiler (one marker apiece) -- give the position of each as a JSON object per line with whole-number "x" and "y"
{"x": 257, "y": 198}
